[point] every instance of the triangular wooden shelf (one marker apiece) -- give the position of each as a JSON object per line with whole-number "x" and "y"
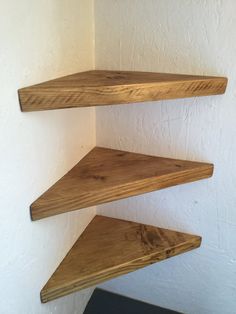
{"x": 104, "y": 175}
{"x": 96, "y": 88}
{"x": 111, "y": 247}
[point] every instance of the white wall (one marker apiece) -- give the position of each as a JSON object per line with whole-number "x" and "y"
{"x": 182, "y": 36}
{"x": 40, "y": 40}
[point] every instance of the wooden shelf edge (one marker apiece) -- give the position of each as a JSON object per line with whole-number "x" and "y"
{"x": 101, "y": 88}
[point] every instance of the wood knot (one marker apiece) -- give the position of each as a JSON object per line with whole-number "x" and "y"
{"x": 97, "y": 177}
{"x": 178, "y": 166}
{"x": 115, "y": 77}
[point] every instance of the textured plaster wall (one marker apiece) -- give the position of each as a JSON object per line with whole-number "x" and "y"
{"x": 39, "y": 40}
{"x": 185, "y": 36}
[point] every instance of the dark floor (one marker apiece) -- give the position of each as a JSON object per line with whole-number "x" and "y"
{"x": 104, "y": 302}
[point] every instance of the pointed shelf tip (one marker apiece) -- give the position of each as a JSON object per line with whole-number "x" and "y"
{"x": 98, "y": 88}
{"x": 105, "y": 175}
{"x": 112, "y": 247}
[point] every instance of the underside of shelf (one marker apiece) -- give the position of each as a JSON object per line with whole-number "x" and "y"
{"x": 111, "y": 247}
{"x": 97, "y": 88}
{"x": 105, "y": 175}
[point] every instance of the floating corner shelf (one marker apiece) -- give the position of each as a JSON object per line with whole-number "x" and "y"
{"x": 96, "y": 256}
{"x": 111, "y": 247}
{"x": 99, "y": 88}
{"x": 105, "y": 175}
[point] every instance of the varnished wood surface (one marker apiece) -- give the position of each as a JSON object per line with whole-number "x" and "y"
{"x": 111, "y": 247}
{"x": 104, "y": 175}
{"x": 96, "y": 88}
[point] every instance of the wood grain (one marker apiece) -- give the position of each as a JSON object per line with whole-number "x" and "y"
{"x": 104, "y": 175}
{"x": 111, "y": 247}
{"x": 96, "y": 88}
